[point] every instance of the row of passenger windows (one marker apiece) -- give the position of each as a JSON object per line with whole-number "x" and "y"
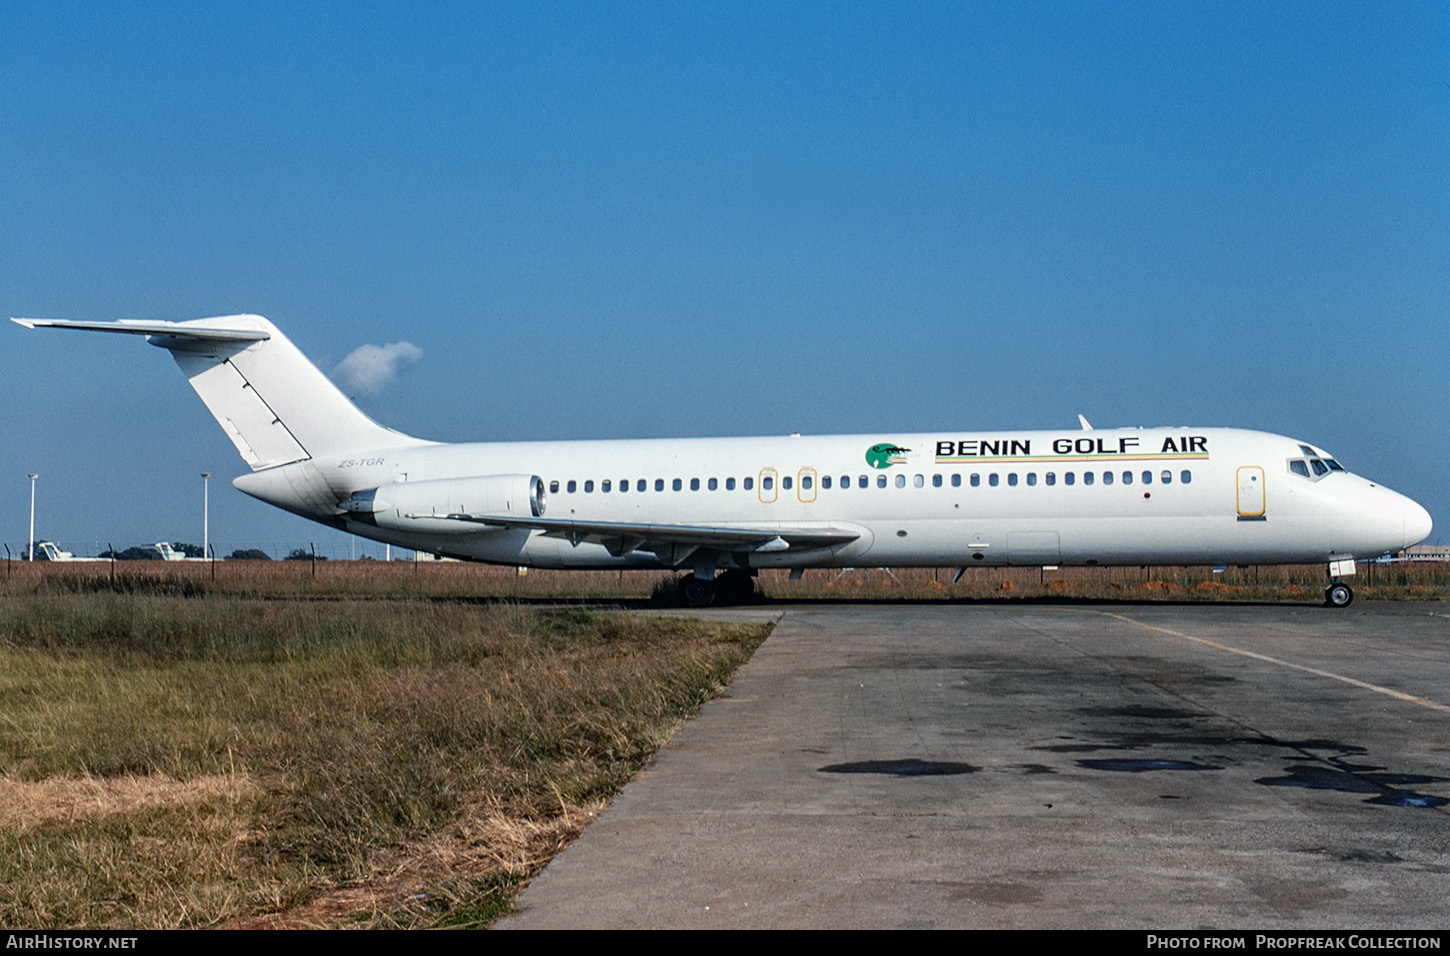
{"x": 807, "y": 481}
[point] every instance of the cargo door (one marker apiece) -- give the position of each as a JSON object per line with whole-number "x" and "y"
{"x": 1033, "y": 548}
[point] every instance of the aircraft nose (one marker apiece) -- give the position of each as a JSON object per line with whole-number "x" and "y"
{"x": 1417, "y": 523}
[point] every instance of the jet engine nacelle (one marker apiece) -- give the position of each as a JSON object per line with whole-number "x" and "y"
{"x": 426, "y": 506}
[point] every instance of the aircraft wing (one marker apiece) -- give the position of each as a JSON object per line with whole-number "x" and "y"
{"x": 674, "y": 543}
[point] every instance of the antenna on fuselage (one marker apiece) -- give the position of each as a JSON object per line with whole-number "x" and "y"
{"x": 1087, "y": 426}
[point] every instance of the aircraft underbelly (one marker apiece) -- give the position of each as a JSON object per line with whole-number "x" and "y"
{"x": 974, "y": 542}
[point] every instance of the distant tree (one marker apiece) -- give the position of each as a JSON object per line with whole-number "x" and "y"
{"x": 301, "y": 554}
{"x": 249, "y": 554}
{"x": 133, "y": 554}
{"x": 189, "y": 550}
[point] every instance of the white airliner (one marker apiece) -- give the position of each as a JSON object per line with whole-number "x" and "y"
{"x": 721, "y": 508}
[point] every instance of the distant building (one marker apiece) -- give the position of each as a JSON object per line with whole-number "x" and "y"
{"x": 1427, "y": 552}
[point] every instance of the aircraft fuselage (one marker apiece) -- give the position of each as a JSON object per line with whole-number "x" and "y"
{"x": 1108, "y": 497}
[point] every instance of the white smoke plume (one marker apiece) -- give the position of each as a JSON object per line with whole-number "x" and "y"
{"x": 368, "y": 369}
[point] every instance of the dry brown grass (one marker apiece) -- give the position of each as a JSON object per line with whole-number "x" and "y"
{"x": 196, "y": 761}
{"x": 26, "y": 803}
{"x": 374, "y": 579}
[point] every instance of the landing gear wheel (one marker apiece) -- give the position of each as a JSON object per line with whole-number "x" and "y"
{"x": 1338, "y": 595}
{"x": 697, "y": 593}
{"x": 736, "y": 587}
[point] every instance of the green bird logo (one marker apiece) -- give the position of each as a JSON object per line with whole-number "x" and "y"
{"x": 885, "y": 455}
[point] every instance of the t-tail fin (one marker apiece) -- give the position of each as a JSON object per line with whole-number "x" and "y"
{"x": 273, "y": 403}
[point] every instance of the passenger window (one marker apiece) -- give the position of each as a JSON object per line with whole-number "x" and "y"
{"x": 624, "y": 485}
{"x": 1147, "y": 477}
{"x": 729, "y": 484}
{"x": 863, "y": 482}
{"x": 1068, "y": 477}
{"x": 1166, "y": 478}
{"x": 572, "y": 486}
{"x": 1127, "y": 477}
{"x": 785, "y": 482}
{"x": 677, "y": 484}
{"x": 1185, "y": 477}
{"x": 748, "y": 484}
{"x": 976, "y": 481}
{"x": 806, "y": 482}
{"x": 880, "y": 481}
{"x": 1051, "y": 478}
{"x": 554, "y": 487}
{"x": 767, "y": 483}
{"x": 992, "y": 479}
{"x": 1107, "y": 477}
{"x": 845, "y": 481}
{"x": 918, "y": 481}
{"x": 957, "y": 480}
{"x": 901, "y": 481}
{"x": 712, "y": 484}
{"x": 1031, "y": 478}
{"x": 826, "y": 482}
{"x": 936, "y": 481}
{"x": 605, "y": 485}
{"x": 589, "y": 486}
{"x": 1012, "y": 479}
{"x": 694, "y": 484}
{"x": 659, "y": 484}
{"x": 1087, "y": 477}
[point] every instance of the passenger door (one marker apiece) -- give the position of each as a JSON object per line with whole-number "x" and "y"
{"x": 1251, "y": 493}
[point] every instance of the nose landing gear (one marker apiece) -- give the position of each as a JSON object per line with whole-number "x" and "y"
{"x": 1338, "y": 594}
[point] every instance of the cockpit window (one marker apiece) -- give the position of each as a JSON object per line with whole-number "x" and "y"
{"x": 1313, "y": 467}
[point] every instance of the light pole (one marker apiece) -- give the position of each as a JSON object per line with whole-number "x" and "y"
{"x": 31, "y": 546}
{"x": 205, "y": 514}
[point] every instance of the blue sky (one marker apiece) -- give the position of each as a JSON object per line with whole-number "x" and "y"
{"x": 618, "y": 220}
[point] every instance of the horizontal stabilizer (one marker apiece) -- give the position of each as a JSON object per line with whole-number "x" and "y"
{"x": 144, "y": 327}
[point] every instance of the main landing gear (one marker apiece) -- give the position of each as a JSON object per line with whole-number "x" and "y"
{"x": 731, "y": 587}
{"x": 1338, "y": 594}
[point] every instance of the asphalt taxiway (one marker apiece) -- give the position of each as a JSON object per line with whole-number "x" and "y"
{"x": 1048, "y": 766}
